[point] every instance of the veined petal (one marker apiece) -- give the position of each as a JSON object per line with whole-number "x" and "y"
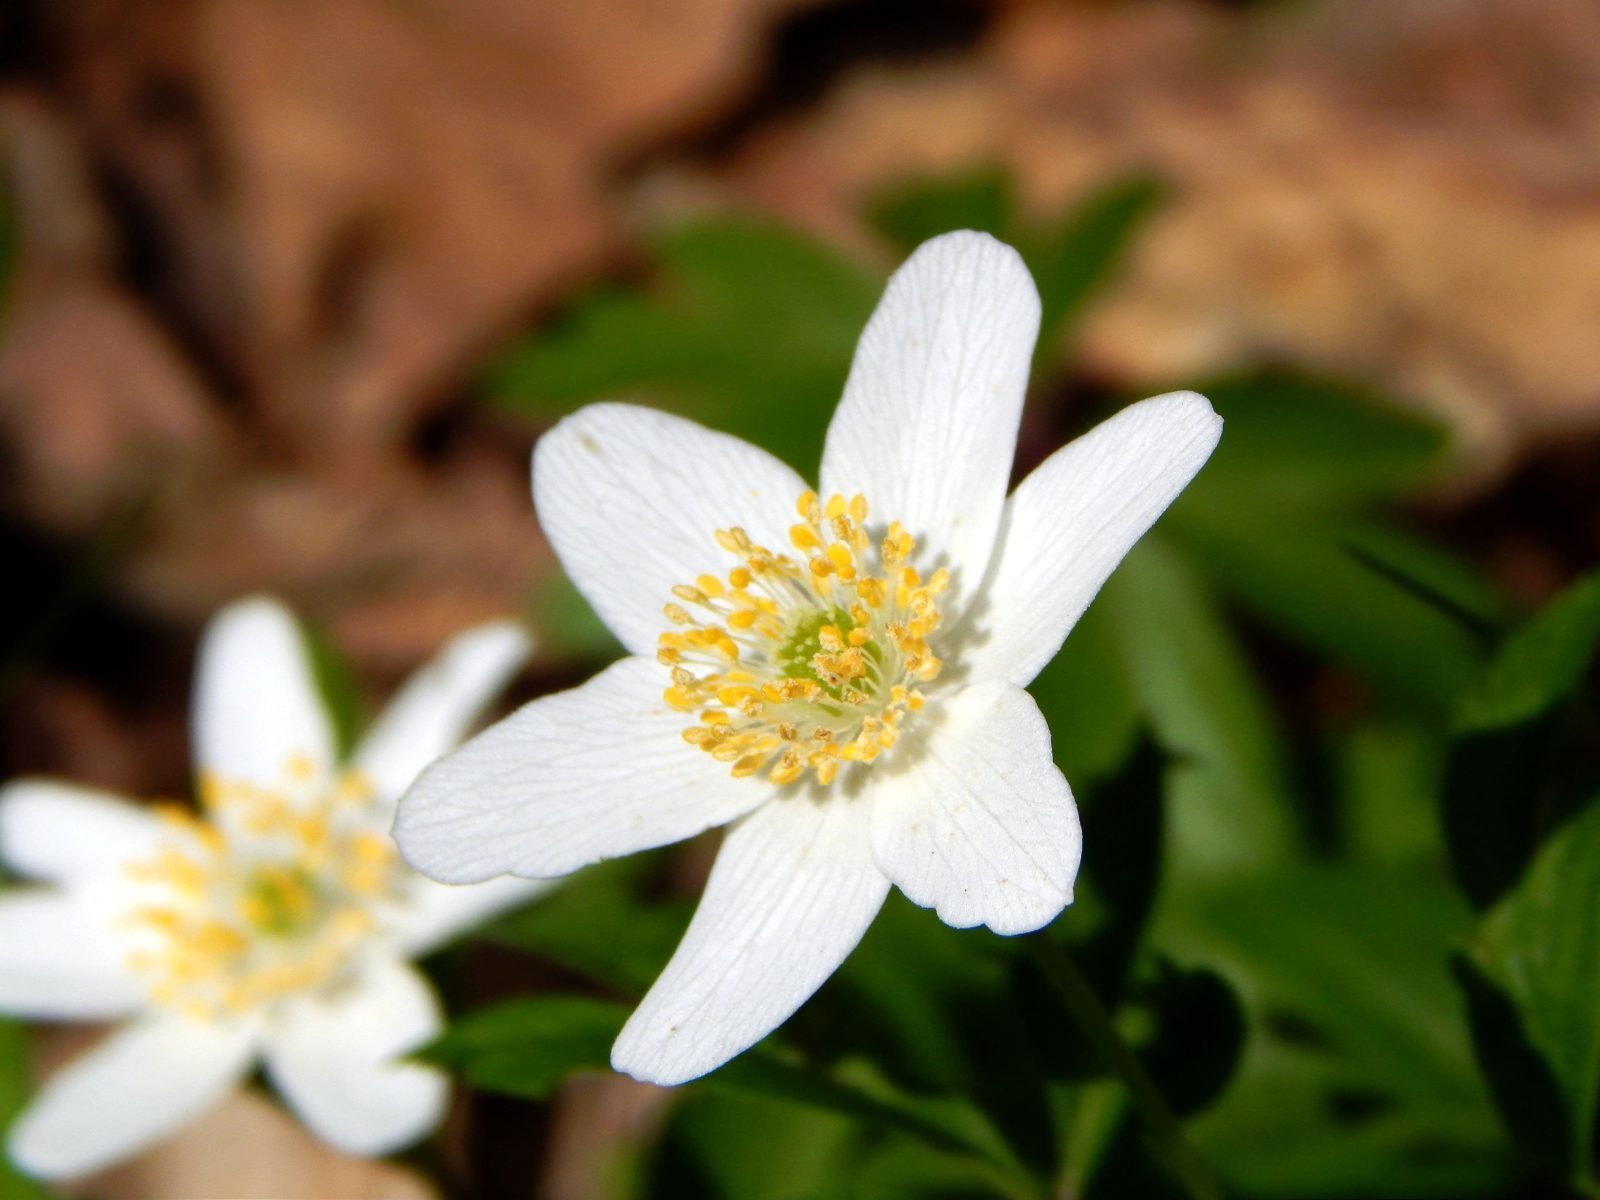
{"x": 141, "y": 1084}
{"x": 927, "y": 427}
{"x": 58, "y": 831}
{"x": 334, "y": 1061}
{"x": 792, "y": 891}
{"x": 1071, "y": 521}
{"x": 436, "y": 912}
{"x": 58, "y": 961}
{"x": 258, "y": 717}
{"x": 981, "y": 825}
{"x": 631, "y": 500}
{"x": 596, "y": 772}
{"x": 438, "y": 704}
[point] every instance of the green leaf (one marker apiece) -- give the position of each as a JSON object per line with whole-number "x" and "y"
{"x": 1540, "y": 664}
{"x": 723, "y": 1146}
{"x": 1297, "y": 572}
{"x": 931, "y": 1008}
{"x": 746, "y": 327}
{"x": 1541, "y": 947}
{"x": 910, "y": 213}
{"x": 1387, "y": 776}
{"x": 1199, "y": 1034}
{"x": 1228, "y": 805}
{"x": 526, "y": 1047}
{"x": 1306, "y": 441}
{"x": 745, "y": 1146}
{"x": 1521, "y": 759}
{"x": 859, "y": 1092}
{"x": 16, "y": 1085}
{"x": 1088, "y": 692}
{"x": 599, "y": 925}
{"x": 1358, "y": 1078}
{"x": 336, "y": 685}
{"x": 1071, "y": 258}
{"x": 1122, "y": 837}
{"x": 1078, "y": 255}
{"x": 567, "y": 622}
{"x": 1282, "y": 520}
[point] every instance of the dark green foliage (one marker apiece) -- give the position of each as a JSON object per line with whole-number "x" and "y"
{"x": 1523, "y": 756}
{"x": 742, "y": 326}
{"x": 1533, "y": 979}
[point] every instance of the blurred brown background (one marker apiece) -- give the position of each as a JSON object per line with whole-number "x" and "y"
{"x": 264, "y": 246}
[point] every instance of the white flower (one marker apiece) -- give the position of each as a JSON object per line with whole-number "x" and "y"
{"x": 840, "y": 676}
{"x": 278, "y": 926}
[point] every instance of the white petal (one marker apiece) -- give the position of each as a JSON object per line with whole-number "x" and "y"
{"x": 1071, "y": 521}
{"x": 792, "y": 891}
{"x": 438, "y": 704}
{"x": 436, "y": 912}
{"x": 334, "y": 1061}
{"x": 60, "y": 832}
{"x": 981, "y": 825}
{"x": 256, "y": 706}
{"x": 138, "y": 1086}
{"x": 59, "y": 961}
{"x": 631, "y": 500}
{"x": 927, "y": 427}
{"x": 596, "y": 772}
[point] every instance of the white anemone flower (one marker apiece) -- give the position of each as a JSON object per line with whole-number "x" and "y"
{"x": 837, "y": 674}
{"x": 275, "y": 926}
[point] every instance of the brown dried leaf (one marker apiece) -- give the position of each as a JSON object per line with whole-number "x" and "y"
{"x": 1415, "y": 200}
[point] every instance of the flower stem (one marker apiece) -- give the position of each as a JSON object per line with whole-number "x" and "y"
{"x": 1162, "y": 1125}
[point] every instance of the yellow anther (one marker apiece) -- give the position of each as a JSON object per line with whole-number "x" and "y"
{"x": 210, "y": 790}
{"x": 795, "y": 663}
{"x": 353, "y": 787}
{"x": 789, "y": 768}
{"x": 300, "y": 767}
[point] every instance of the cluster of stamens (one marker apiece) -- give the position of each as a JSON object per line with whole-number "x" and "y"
{"x": 264, "y": 895}
{"x": 806, "y": 662}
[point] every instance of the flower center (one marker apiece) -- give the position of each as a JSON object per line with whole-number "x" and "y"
{"x": 796, "y": 664}
{"x": 267, "y": 894}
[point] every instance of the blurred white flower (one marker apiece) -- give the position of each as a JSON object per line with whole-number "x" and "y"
{"x": 275, "y": 925}
{"x": 846, "y": 687}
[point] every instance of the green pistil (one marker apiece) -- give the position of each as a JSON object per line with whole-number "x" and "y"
{"x": 797, "y": 656}
{"x": 279, "y": 901}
